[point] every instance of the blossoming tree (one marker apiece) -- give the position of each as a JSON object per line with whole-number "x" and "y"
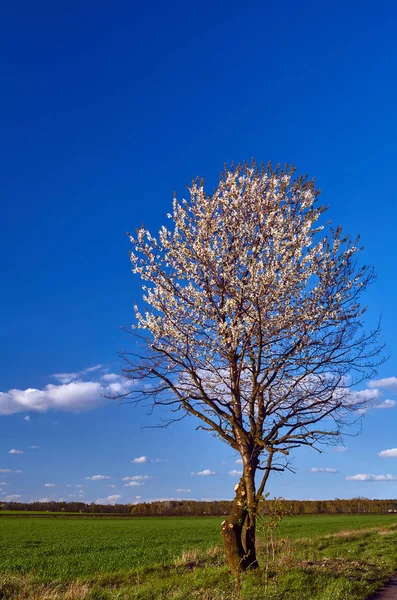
{"x": 253, "y": 325}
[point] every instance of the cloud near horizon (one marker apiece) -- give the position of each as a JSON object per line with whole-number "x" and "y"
{"x": 371, "y": 477}
{"x": 109, "y": 500}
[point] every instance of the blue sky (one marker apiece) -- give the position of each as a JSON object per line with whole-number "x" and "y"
{"x": 106, "y": 110}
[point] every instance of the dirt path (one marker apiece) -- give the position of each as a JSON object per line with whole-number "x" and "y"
{"x": 388, "y": 592}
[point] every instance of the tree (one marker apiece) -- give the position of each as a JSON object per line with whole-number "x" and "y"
{"x": 253, "y": 325}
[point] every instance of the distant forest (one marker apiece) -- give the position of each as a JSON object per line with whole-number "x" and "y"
{"x": 193, "y": 508}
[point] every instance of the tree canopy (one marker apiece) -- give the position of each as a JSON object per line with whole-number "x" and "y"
{"x": 253, "y": 322}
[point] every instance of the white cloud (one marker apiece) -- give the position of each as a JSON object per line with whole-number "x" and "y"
{"x": 163, "y": 499}
{"x": 381, "y": 404}
{"x": 12, "y": 497}
{"x": 79, "y": 495}
{"x": 98, "y": 477}
{"x": 43, "y": 500}
{"x": 183, "y": 490}
{"x": 5, "y": 470}
{"x": 239, "y": 461}
{"x": 18, "y": 471}
{"x": 69, "y": 377}
{"x": 358, "y": 396}
{"x": 385, "y": 404}
{"x": 70, "y": 394}
{"x": 235, "y": 473}
{"x": 115, "y": 387}
{"x": 388, "y": 383}
{"x": 109, "y": 500}
{"x": 111, "y": 377}
{"x": 212, "y": 499}
{"x": 34, "y": 447}
{"x": 73, "y": 396}
{"x": 78, "y": 486}
{"x": 90, "y": 369}
{"x": 391, "y": 453}
{"x": 137, "y": 478}
{"x": 340, "y": 449}
{"x": 132, "y": 484}
{"x": 15, "y": 451}
{"x": 50, "y": 485}
{"x": 138, "y": 497}
{"x": 3, "y": 483}
{"x": 371, "y": 398}
{"x": 140, "y": 460}
{"x": 203, "y": 473}
{"x": 370, "y": 477}
{"x": 65, "y": 377}
{"x": 111, "y": 485}
{"x": 324, "y": 470}
{"x": 27, "y": 418}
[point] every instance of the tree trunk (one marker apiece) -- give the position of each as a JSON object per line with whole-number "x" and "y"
{"x": 238, "y": 532}
{"x": 249, "y": 542}
{"x": 250, "y": 520}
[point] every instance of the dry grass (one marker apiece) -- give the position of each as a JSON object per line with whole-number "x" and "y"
{"x": 194, "y": 558}
{"x": 15, "y": 588}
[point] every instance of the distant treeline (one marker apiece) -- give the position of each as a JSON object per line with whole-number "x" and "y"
{"x": 292, "y": 507}
{"x": 193, "y": 508}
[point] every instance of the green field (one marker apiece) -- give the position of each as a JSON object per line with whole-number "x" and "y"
{"x": 150, "y": 558}
{"x": 67, "y": 548}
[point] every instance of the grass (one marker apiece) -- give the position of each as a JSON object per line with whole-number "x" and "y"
{"x": 75, "y": 547}
{"x": 42, "y": 513}
{"x": 316, "y": 558}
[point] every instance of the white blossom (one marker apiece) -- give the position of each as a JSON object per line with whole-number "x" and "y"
{"x": 252, "y": 320}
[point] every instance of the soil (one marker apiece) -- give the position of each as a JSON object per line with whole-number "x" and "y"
{"x": 388, "y": 592}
